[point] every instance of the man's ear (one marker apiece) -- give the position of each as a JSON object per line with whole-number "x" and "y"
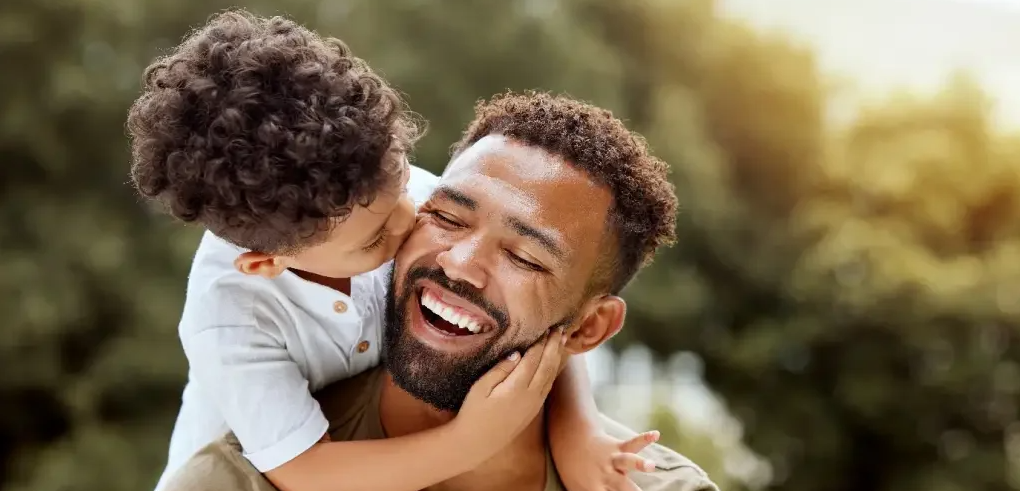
{"x": 257, "y": 263}
{"x": 600, "y": 320}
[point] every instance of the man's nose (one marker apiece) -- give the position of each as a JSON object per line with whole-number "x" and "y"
{"x": 461, "y": 262}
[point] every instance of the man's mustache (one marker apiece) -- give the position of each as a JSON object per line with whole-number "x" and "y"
{"x": 460, "y": 288}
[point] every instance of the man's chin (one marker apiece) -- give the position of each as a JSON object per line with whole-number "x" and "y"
{"x": 427, "y": 375}
{"x": 431, "y": 366}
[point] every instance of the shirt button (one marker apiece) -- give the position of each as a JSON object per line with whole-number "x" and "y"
{"x": 363, "y": 346}
{"x": 340, "y": 306}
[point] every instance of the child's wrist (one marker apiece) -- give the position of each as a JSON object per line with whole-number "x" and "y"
{"x": 467, "y": 443}
{"x": 570, "y": 436}
{"x": 571, "y": 422}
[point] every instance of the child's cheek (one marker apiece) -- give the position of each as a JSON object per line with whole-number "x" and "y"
{"x": 399, "y": 241}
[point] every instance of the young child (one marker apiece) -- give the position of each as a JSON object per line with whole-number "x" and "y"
{"x": 292, "y": 154}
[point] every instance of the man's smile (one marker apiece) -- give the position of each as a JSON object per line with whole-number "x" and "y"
{"x": 441, "y": 311}
{"x": 450, "y": 314}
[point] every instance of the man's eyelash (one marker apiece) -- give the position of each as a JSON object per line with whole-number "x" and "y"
{"x": 443, "y": 218}
{"x": 521, "y": 262}
{"x": 525, "y": 263}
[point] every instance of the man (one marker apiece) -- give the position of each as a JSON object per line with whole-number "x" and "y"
{"x": 547, "y": 210}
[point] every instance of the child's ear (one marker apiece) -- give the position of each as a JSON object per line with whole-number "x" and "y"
{"x": 601, "y": 319}
{"x": 257, "y": 263}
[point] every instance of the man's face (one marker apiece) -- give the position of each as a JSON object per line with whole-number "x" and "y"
{"x": 501, "y": 254}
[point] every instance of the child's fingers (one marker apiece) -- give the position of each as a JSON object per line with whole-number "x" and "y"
{"x": 526, "y": 368}
{"x": 639, "y": 442}
{"x": 629, "y": 462}
{"x": 549, "y": 366}
{"x": 498, "y": 373}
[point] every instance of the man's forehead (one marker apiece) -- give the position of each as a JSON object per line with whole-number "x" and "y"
{"x": 529, "y": 182}
{"x": 507, "y": 163}
{"x": 493, "y": 152}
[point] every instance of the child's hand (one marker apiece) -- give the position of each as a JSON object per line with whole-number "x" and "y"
{"x": 509, "y": 396}
{"x": 603, "y": 464}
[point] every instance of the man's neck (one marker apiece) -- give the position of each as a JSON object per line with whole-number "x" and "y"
{"x": 521, "y": 465}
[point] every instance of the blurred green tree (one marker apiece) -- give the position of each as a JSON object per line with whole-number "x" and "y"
{"x": 850, "y": 289}
{"x": 90, "y": 366}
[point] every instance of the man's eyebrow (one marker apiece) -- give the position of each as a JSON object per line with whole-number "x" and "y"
{"x": 543, "y": 238}
{"x": 457, "y": 197}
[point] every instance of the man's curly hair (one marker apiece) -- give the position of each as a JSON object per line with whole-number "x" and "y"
{"x": 265, "y": 133}
{"x": 643, "y": 214}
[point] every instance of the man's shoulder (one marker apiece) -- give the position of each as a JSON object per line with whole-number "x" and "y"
{"x": 673, "y": 471}
{"x": 352, "y": 406}
{"x": 219, "y": 466}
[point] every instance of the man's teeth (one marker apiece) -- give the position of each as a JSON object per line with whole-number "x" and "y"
{"x": 449, "y": 314}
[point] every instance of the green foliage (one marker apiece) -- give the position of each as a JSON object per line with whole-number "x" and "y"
{"x": 851, "y": 290}
{"x": 692, "y": 443}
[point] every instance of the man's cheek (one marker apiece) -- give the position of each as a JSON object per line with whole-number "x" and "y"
{"x": 422, "y": 244}
{"x": 538, "y": 304}
{"x": 431, "y": 238}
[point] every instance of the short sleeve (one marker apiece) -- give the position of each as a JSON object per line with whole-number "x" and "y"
{"x": 259, "y": 390}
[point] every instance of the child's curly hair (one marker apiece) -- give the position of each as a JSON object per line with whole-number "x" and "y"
{"x": 264, "y": 132}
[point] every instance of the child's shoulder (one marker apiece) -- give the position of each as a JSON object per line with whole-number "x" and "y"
{"x": 219, "y": 295}
{"x": 213, "y": 272}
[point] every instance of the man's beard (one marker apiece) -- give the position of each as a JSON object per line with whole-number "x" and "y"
{"x": 439, "y": 379}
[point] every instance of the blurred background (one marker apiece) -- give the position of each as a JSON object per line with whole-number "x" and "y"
{"x": 842, "y": 311}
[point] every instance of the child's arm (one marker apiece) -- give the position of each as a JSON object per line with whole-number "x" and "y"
{"x": 511, "y": 394}
{"x": 264, "y": 399}
{"x": 406, "y": 463}
{"x": 585, "y": 457}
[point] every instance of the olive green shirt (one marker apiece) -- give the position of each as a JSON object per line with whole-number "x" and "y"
{"x": 352, "y": 408}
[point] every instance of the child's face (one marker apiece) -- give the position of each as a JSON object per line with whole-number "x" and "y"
{"x": 362, "y": 242}
{"x": 367, "y": 238}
